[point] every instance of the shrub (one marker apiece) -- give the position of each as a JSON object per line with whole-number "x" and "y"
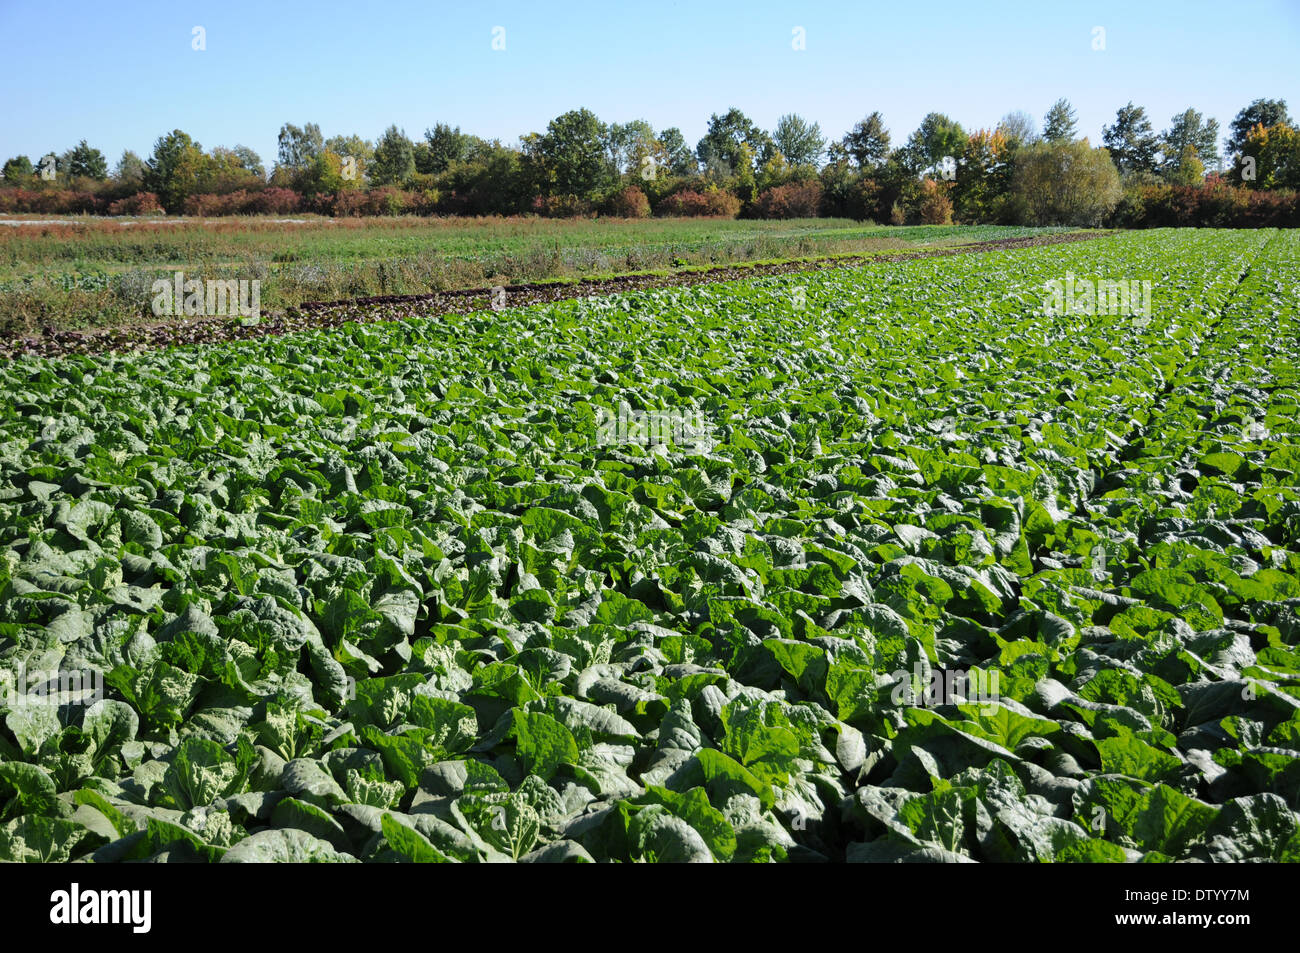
{"x": 388, "y": 200}
{"x": 348, "y": 204}
{"x": 722, "y": 204}
{"x": 13, "y": 200}
{"x": 142, "y": 203}
{"x": 936, "y": 205}
{"x": 424, "y": 202}
{"x": 276, "y": 201}
{"x": 560, "y": 206}
{"x": 689, "y": 203}
{"x": 206, "y": 205}
{"x": 52, "y": 201}
{"x": 1064, "y": 183}
{"x": 685, "y": 202}
{"x": 1276, "y": 209}
{"x": 629, "y": 203}
{"x": 792, "y": 200}
{"x": 1213, "y": 204}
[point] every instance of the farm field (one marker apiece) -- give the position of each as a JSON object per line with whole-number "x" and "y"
{"x": 98, "y": 272}
{"x": 890, "y": 562}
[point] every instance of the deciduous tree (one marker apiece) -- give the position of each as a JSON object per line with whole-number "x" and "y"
{"x": 394, "y": 160}
{"x": 868, "y": 142}
{"x": 1131, "y": 141}
{"x": 1190, "y": 128}
{"x": 799, "y": 141}
{"x": 1065, "y": 183}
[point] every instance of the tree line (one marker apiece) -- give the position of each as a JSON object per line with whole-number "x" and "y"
{"x": 580, "y": 165}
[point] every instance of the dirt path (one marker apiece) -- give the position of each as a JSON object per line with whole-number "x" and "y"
{"x": 329, "y": 314}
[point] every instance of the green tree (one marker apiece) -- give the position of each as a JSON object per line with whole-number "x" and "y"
{"x": 775, "y": 171}
{"x": 1187, "y": 169}
{"x": 1276, "y": 151}
{"x": 130, "y": 168}
{"x": 360, "y": 151}
{"x": 647, "y": 158}
{"x": 324, "y": 175}
{"x": 1064, "y": 183}
{"x": 899, "y": 195}
{"x": 626, "y": 143}
{"x": 491, "y": 179}
{"x": 175, "y": 170}
{"x": 719, "y": 150}
{"x": 230, "y": 169}
{"x": 249, "y": 160}
{"x": 1190, "y": 128}
{"x": 1131, "y": 142}
{"x": 394, "y": 160}
{"x": 570, "y": 158}
{"x": 984, "y": 177}
{"x": 1060, "y": 123}
{"x": 299, "y": 146}
{"x": 444, "y": 145}
{"x": 937, "y": 138}
{"x": 83, "y": 160}
{"x": 868, "y": 142}
{"x": 680, "y": 159}
{"x": 746, "y": 182}
{"x": 1261, "y": 112}
{"x": 843, "y": 186}
{"x": 18, "y": 170}
{"x": 799, "y": 141}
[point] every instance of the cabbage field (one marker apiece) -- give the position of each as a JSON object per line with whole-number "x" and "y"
{"x": 938, "y": 573}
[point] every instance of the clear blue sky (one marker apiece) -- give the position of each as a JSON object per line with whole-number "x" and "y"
{"x": 119, "y": 75}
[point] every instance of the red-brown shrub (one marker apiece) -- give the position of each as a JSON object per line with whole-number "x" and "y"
{"x": 142, "y": 203}
{"x": 1213, "y": 204}
{"x": 936, "y": 205}
{"x": 792, "y": 200}
{"x": 203, "y": 206}
{"x": 716, "y": 204}
{"x": 349, "y": 204}
{"x": 629, "y": 203}
{"x": 388, "y": 200}
{"x": 50, "y": 201}
{"x": 276, "y": 201}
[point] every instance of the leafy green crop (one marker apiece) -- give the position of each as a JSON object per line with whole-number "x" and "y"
{"x": 384, "y": 594}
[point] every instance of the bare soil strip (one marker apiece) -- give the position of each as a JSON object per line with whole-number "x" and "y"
{"x": 329, "y": 314}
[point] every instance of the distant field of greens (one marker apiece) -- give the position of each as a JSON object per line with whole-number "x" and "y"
{"x": 96, "y": 272}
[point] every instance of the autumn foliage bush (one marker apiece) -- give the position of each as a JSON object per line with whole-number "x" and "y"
{"x": 629, "y": 203}
{"x": 276, "y": 201}
{"x": 936, "y": 205}
{"x": 50, "y": 201}
{"x": 792, "y": 200}
{"x": 689, "y": 203}
{"x": 1213, "y": 204}
{"x": 204, "y": 206}
{"x": 142, "y": 203}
